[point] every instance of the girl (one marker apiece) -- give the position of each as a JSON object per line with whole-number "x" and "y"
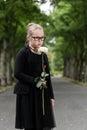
{"x": 33, "y": 111}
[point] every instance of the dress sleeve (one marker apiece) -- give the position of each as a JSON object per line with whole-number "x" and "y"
{"x": 49, "y": 83}
{"x": 20, "y": 67}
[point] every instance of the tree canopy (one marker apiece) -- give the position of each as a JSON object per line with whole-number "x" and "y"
{"x": 69, "y": 19}
{"x": 65, "y": 30}
{"x": 14, "y": 17}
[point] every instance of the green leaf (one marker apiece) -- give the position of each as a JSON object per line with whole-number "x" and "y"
{"x": 38, "y": 85}
{"x": 37, "y": 79}
{"x": 46, "y": 75}
{"x": 42, "y": 74}
{"x": 41, "y": 87}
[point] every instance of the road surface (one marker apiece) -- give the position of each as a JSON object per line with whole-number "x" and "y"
{"x": 70, "y": 107}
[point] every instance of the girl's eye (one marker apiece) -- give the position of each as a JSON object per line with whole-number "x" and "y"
{"x": 38, "y": 38}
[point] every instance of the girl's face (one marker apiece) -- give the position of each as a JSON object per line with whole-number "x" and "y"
{"x": 37, "y": 39}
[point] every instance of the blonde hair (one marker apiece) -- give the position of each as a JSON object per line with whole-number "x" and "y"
{"x": 31, "y": 27}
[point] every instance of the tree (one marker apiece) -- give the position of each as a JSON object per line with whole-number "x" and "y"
{"x": 14, "y": 16}
{"x": 68, "y": 24}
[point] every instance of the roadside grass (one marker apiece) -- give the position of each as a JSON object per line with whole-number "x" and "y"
{"x": 4, "y": 88}
{"x": 76, "y": 81}
{"x": 80, "y": 83}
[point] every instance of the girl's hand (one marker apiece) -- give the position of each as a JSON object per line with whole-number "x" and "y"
{"x": 43, "y": 82}
{"x": 52, "y": 102}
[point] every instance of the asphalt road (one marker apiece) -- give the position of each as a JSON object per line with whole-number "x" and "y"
{"x": 70, "y": 107}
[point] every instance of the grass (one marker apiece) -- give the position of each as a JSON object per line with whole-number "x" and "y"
{"x": 81, "y": 83}
{"x": 4, "y": 88}
{"x": 77, "y": 82}
{"x": 57, "y": 73}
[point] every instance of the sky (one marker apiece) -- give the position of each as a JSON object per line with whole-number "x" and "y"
{"x": 46, "y": 7}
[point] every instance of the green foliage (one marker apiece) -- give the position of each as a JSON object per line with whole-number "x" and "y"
{"x": 58, "y": 57}
{"x": 69, "y": 21}
{"x": 14, "y": 16}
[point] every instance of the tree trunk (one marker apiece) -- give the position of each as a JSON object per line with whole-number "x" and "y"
{"x": 76, "y": 72}
{"x": 85, "y": 74}
{"x": 66, "y": 67}
{"x": 72, "y": 67}
{"x": 9, "y": 70}
{"x": 81, "y": 76}
{"x": 3, "y": 64}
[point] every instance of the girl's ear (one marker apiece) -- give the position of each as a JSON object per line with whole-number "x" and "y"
{"x": 27, "y": 38}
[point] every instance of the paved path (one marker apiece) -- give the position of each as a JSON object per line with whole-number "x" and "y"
{"x": 7, "y": 110}
{"x": 71, "y": 105}
{"x": 70, "y": 108}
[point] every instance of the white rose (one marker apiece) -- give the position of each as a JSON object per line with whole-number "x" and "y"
{"x": 42, "y": 49}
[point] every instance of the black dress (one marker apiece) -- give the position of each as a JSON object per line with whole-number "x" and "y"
{"x": 29, "y": 113}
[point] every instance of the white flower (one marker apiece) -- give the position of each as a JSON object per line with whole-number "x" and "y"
{"x": 43, "y": 49}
